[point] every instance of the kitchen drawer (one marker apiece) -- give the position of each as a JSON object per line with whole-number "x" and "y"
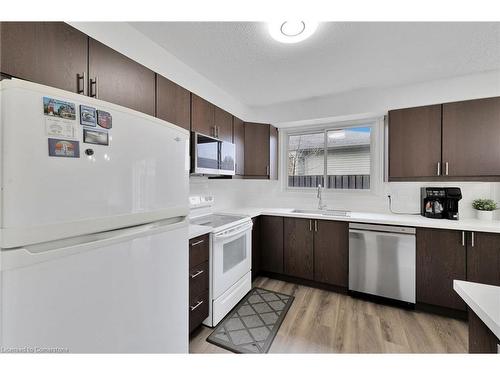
{"x": 198, "y": 310}
{"x": 198, "y": 280}
{"x": 198, "y": 250}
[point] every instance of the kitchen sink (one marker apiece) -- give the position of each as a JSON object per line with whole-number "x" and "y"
{"x": 325, "y": 212}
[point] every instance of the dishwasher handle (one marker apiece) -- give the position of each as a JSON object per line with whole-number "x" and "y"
{"x": 382, "y": 228}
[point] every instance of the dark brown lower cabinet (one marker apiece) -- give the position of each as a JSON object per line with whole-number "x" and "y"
{"x": 255, "y": 247}
{"x": 198, "y": 280}
{"x": 441, "y": 257}
{"x": 483, "y": 258}
{"x": 331, "y": 252}
{"x": 298, "y": 248}
{"x": 271, "y": 244}
{"x": 309, "y": 249}
{"x": 198, "y": 310}
{"x": 481, "y": 339}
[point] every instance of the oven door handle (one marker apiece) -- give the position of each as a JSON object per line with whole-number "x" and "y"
{"x": 235, "y": 231}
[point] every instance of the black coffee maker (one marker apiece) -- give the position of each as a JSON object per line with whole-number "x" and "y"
{"x": 440, "y": 203}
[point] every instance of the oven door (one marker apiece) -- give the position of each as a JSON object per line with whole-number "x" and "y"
{"x": 232, "y": 257}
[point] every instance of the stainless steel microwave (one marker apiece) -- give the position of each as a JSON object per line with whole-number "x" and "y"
{"x": 212, "y": 156}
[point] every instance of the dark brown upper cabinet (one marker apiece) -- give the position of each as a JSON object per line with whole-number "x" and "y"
{"x": 210, "y": 120}
{"x": 331, "y": 252}
{"x": 441, "y": 258}
{"x": 415, "y": 142}
{"x": 239, "y": 144}
{"x": 271, "y": 244}
{"x": 49, "y": 53}
{"x": 471, "y": 137}
{"x": 450, "y": 141}
{"x": 117, "y": 79}
{"x": 202, "y": 116}
{"x": 298, "y": 248}
{"x": 273, "y": 153}
{"x": 483, "y": 258}
{"x": 223, "y": 122}
{"x": 261, "y": 151}
{"x": 173, "y": 102}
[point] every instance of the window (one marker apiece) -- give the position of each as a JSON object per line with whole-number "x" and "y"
{"x": 335, "y": 158}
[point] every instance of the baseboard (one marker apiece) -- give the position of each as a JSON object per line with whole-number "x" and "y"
{"x": 444, "y": 311}
{"x": 382, "y": 300}
{"x": 297, "y": 280}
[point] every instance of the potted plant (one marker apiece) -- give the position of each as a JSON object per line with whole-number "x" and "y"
{"x": 484, "y": 208}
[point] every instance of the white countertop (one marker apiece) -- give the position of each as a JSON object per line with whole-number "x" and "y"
{"x": 473, "y": 225}
{"x": 198, "y": 230}
{"x": 484, "y": 300}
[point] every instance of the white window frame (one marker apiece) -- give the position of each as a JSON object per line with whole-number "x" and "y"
{"x": 376, "y": 154}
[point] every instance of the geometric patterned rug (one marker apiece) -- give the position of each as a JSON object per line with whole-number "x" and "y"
{"x": 252, "y": 325}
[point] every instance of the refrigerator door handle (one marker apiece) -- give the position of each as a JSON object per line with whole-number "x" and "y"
{"x": 98, "y": 238}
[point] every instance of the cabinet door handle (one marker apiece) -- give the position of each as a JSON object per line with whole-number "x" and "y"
{"x": 472, "y": 239}
{"x": 315, "y": 225}
{"x": 197, "y": 242}
{"x": 267, "y": 170}
{"x": 81, "y": 88}
{"x": 193, "y": 275}
{"x": 198, "y": 304}
{"x": 94, "y": 88}
{"x": 310, "y": 225}
{"x": 463, "y": 238}
{"x": 446, "y": 168}
{"x": 439, "y": 169}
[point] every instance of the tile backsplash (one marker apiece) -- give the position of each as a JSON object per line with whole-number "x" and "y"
{"x": 405, "y": 195}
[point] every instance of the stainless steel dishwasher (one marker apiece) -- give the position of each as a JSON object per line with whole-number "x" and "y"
{"x": 382, "y": 261}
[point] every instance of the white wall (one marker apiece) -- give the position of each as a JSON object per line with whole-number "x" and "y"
{"x": 375, "y": 102}
{"x": 406, "y": 195}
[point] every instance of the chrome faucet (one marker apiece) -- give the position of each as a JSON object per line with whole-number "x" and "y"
{"x": 321, "y": 205}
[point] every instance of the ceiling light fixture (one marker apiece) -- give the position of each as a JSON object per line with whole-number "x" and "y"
{"x": 292, "y": 31}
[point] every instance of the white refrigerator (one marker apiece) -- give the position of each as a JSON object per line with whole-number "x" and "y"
{"x": 94, "y": 250}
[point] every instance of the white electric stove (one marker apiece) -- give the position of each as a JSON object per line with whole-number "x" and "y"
{"x": 230, "y": 256}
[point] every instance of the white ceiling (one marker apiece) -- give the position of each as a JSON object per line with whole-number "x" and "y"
{"x": 243, "y": 60}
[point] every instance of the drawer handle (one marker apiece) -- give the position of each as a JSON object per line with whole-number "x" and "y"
{"x": 198, "y": 304}
{"x": 193, "y": 275}
{"x": 197, "y": 242}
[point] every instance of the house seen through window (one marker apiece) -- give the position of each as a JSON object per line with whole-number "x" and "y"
{"x": 336, "y": 159}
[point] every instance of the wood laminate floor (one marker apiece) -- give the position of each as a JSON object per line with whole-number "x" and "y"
{"x": 325, "y": 322}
